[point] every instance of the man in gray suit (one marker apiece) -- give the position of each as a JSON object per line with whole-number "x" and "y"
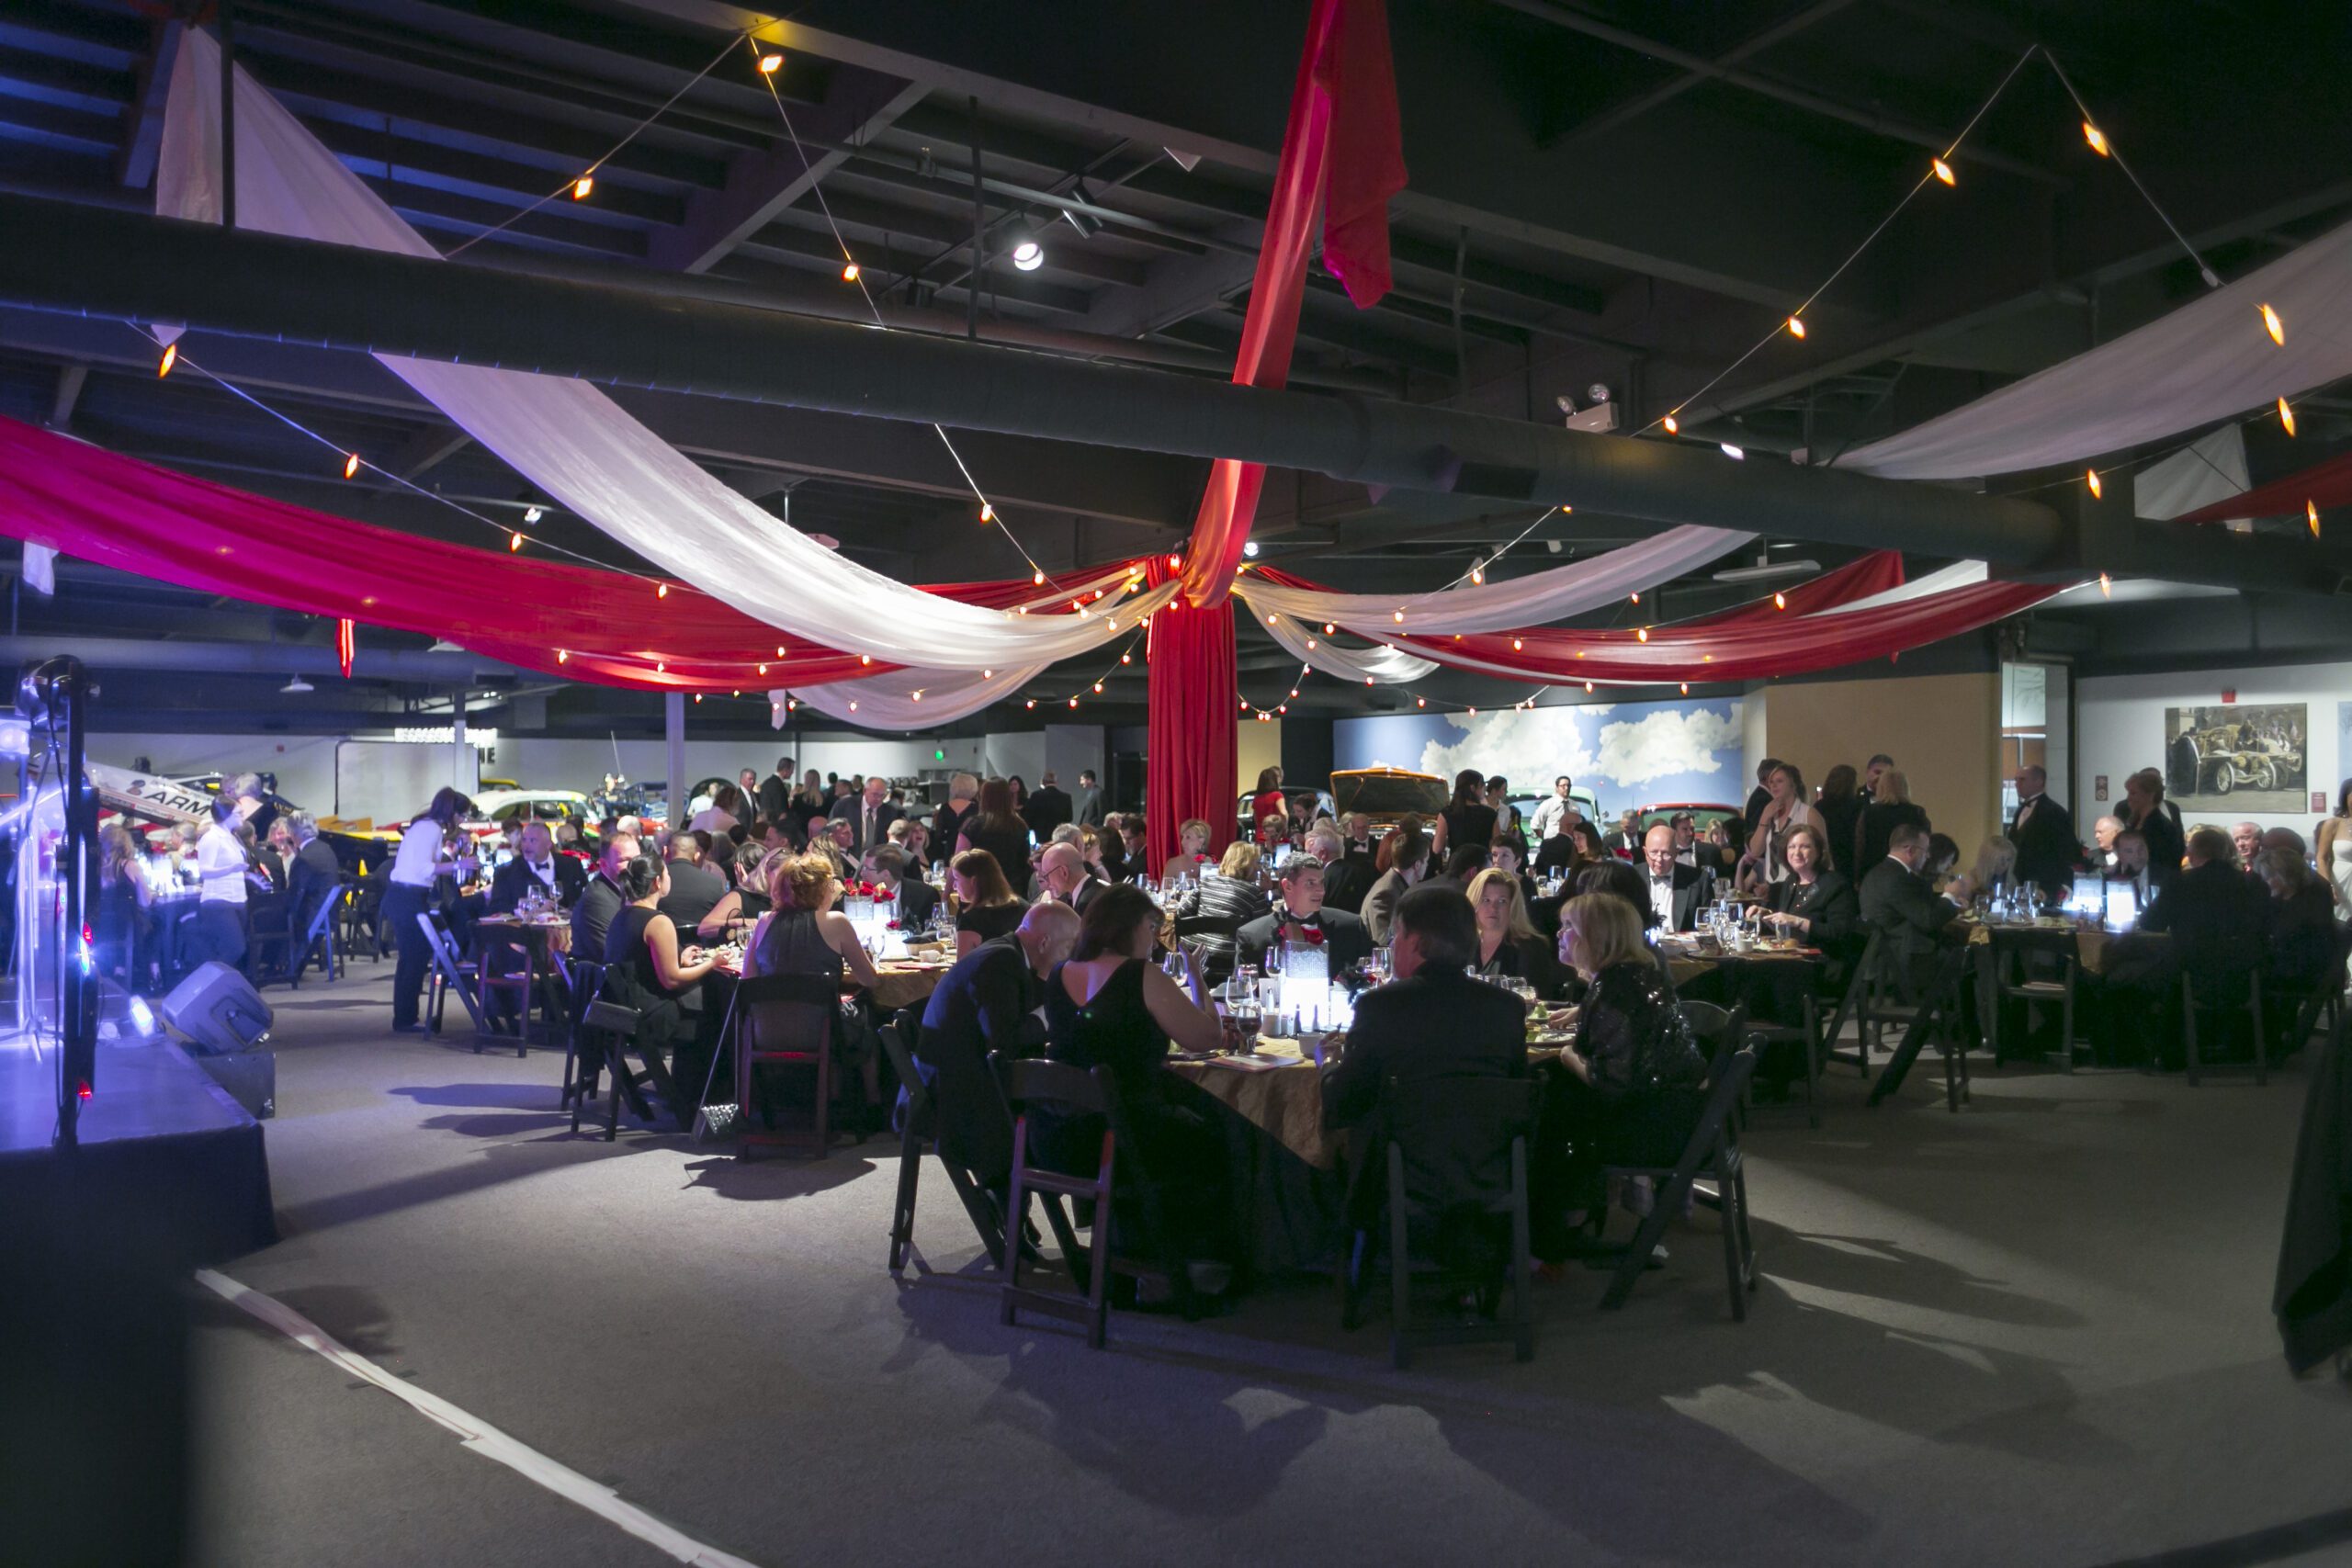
{"x": 1086, "y": 805}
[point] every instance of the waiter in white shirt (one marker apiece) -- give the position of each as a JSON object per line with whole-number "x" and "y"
{"x": 1559, "y": 808}
{"x": 415, "y": 870}
{"x": 218, "y": 931}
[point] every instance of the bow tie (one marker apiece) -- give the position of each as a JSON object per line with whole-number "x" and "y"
{"x": 542, "y": 867}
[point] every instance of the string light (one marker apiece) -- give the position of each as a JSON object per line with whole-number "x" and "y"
{"x": 1737, "y": 454}
{"x": 763, "y": 669}
{"x": 988, "y": 513}
{"x": 1796, "y": 326}
{"x": 2311, "y": 516}
{"x": 1098, "y": 690}
{"x": 697, "y": 699}
{"x": 171, "y": 357}
{"x": 562, "y": 657}
{"x": 1942, "y": 171}
{"x": 659, "y": 666}
{"x": 1031, "y": 703}
{"x": 1517, "y": 646}
{"x": 852, "y": 706}
{"x": 988, "y": 674}
{"x": 771, "y": 64}
{"x": 2105, "y": 586}
{"x": 914, "y": 696}
{"x": 2286, "y": 417}
{"x": 1686, "y": 685}
{"x": 1421, "y": 702}
{"x": 1073, "y": 702}
{"x": 1175, "y": 563}
{"x": 661, "y": 591}
{"x": 2092, "y": 475}
{"x": 1127, "y": 659}
{"x": 1642, "y": 635}
{"x": 779, "y": 650}
{"x": 350, "y": 465}
{"x": 2274, "y": 326}
{"x": 865, "y": 659}
{"x": 514, "y": 542}
{"x": 1637, "y": 598}
{"x": 581, "y": 187}
{"x": 1398, "y": 616}
{"x": 2097, "y": 139}
{"x": 1478, "y": 574}
{"x": 1673, "y": 426}
{"x": 532, "y": 514}
{"x": 1037, "y": 580}
{"x": 1310, "y": 645}
{"x": 849, "y": 272}
{"x": 1588, "y": 686}
{"x": 1329, "y": 627}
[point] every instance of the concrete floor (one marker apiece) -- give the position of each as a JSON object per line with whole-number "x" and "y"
{"x": 2037, "y": 1331}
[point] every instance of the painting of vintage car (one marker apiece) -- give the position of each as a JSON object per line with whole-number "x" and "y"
{"x": 2250, "y": 755}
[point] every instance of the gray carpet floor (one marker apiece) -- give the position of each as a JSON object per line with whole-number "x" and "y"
{"x": 2036, "y": 1332}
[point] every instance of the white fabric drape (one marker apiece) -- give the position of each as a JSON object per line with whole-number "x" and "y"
{"x": 1529, "y": 601}
{"x": 907, "y": 699}
{"x": 1962, "y": 574}
{"x": 2211, "y": 468}
{"x": 574, "y": 442}
{"x": 1381, "y": 665}
{"x": 2209, "y": 360}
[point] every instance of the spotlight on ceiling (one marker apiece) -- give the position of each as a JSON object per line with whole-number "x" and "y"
{"x": 1027, "y": 254}
{"x": 1598, "y": 393}
{"x": 1733, "y": 452}
{"x": 532, "y": 514}
{"x": 1250, "y": 549}
{"x": 297, "y": 686}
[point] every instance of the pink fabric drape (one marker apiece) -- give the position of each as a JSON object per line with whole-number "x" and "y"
{"x": 521, "y": 608}
{"x": 1190, "y": 754}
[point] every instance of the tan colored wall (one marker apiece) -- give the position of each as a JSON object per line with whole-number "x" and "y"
{"x": 1255, "y": 746}
{"x": 1943, "y": 731}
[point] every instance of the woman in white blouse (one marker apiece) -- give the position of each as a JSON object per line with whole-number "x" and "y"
{"x": 218, "y": 931}
{"x": 1767, "y": 861}
{"x": 421, "y": 859}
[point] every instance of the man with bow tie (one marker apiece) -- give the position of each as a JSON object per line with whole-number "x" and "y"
{"x": 1303, "y": 916}
{"x": 2044, "y": 834}
{"x": 536, "y": 865}
{"x": 1676, "y": 890}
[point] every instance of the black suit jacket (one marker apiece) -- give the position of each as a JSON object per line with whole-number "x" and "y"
{"x": 695, "y": 891}
{"x": 1086, "y": 892}
{"x": 1047, "y": 809}
{"x": 1831, "y": 904}
{"x": 775, "y": 797}
{"x": 1440, "y": 1023}
{"x": 852, "y": 810}
{"x": 2216, "y": 914}
{"x": 600, "y": 904}
{"x": 1346, "y": 880}
{"x": 1909, "y": 917}
{"x": 1690, "y": 886}
{"x": 511, "y": 880}
{"x": 1343, "y": 935}
{"x": 986, "y": 1003}
{"x": 2047, "y": 849}
{"x": 916, "y": 899}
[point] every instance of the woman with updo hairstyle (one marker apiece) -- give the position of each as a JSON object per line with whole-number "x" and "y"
{"x": 646, "y": 965}
{"x": 804, "y": 934}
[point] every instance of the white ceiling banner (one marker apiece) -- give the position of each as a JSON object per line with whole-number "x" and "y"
{"x": 2211, "y": 469}
{"x": 2210, "y": 360}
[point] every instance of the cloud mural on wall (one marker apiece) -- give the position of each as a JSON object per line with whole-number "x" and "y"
{"x": 1629, "y": 754}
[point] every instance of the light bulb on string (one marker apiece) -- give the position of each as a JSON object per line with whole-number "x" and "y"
{"x": 1673, "y": 426}
{"x": 1421, "y": 702}
{"x": 2096, "y": 138}
{"x": 2311, "y": 516}
{"x": 171, "y": 357}
{"x": 849, "y": 272}
{"x": 660, "y": 665}
{"x": 1942, "y": 171}
{"x": 988, "y": 513}
{"x": 1796, "y": 326}
{"x": 2091, "y": 476}
{"x": 1517, "y": 646}
{"x": 1637, "y": 598}
{"x": 865, "y": 659}
{"x": 515, "y": 541}
{"x": 1478, "y": 574}
{"x": 2274, "y": 326}
{"x": 853, "y": 707}
{"x": 661, "y": 591}
{"x": 2286, "y": 417}
{"x": 771, "y": 64}
{"x": 1686, "y": 685}
{"x": 1398, "y": 616}
{"x": 988, "y": 674}
{"x": 562, "y": 657}
{"x": 1098, "y": 688}
{"x": 1031, "y": 703}
{"x": 1780, "y": 600}
{"x": 1329, "y": 627}
{"x": 1588, "y": 686}
{"x": 350, "y": 465}
{"x": 763, "y": 669}
{"x": 1310, "y": 645}
{"x": 1175, "y": 563}
{"x": 581, "y": 187}
{"x": 697, "y": 699}
{"x": 1073, "y": 702}
{"x": 1127, "y": 659}
{"x": 1642, "y": 635}
{"x": 1037, "y": 580}
{"x": 2105, "y": 586}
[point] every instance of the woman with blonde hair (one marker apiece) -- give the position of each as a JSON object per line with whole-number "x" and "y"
{"x": 1226, "y": 899}
{"x": 804, "y": 934}
{"x": 1508, "y": 945}
{"x": 1632, "y": 1088}
{"x": 1997, "y": 863}
{"x": 1888, "y": 809}
{"x": 1192, "y": 856}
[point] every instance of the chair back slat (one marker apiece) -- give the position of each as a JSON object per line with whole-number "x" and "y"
{"x": 1454, "y": 1134}
{"x": 790, "y": 1014}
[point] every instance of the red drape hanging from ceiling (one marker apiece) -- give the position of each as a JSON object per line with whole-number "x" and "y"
{"x": 1858, "y": 579}
{"x": 610, "y": 627}
{"x": 1189, "y": 766}
{"x": 1342, "y": 150}
{"x": 2322, "y": 485}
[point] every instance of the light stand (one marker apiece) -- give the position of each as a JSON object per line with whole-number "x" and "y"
{"x": 54, "y": 698}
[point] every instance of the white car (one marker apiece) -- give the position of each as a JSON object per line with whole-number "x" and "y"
{"x": 505, "y": 807}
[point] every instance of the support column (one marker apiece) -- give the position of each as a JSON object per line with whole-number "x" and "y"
{"x": 673, "y": 733}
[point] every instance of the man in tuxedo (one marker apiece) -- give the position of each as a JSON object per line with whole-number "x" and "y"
{"x": 1430, "y": 1024}
{"x": 869, "y": 815}
{"x": 2044, "y": 835}
{"x": 912, "y": 897}
{"x": 315, "y": 877}
{"x": 1694, "y": 852}
{"x": 1909, "y": 917}
{"x": 1302, "y": 915}
{"x": 602, "y": 900}
{"x": 1676, "y": 890}
{"x": 1345, "y": 879}
{"x": 775, "y": 791}
{"x": 1063, "y": 877}
{"x": 536, "y": 865}
{"x": 2214, "y": 916}
{"x": 2130, "y": 866}
{"x": 1086, "y": 806}
{"x": 694, "y": 888}
{"x": 1049, "y": 806}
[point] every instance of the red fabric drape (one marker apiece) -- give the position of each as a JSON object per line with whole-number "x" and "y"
{"x": 1858, "y": 579}
{"x": 2322, "y": 484}
{"x": 612, "y": 629}
{"x": 1748, "y": 649}
{"x": 1189, "y": 770}
{"x": 1342, "y": 133}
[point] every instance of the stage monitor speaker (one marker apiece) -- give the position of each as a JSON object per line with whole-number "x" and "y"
{"x": 250, "y": 1078}
{"x": 219, "y": 1012}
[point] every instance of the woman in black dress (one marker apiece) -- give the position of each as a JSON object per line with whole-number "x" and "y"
{"x": 2299, "y": 954}
{"x": 1820, "y": 908}
{"x": 1634, "y": 1083}
{"x": 1508, "y": 945}
{"x": 1468, "y": 820}
{"x": 1840, "y": 810}
{"x": 1889, "y": 808}
{"x": 996, "y": 829}
{"x": 1108, "y": 1006}
{"x": 985, "y": 906}
{"x": 803, "y": 933}
{"x": 652, "y": 972}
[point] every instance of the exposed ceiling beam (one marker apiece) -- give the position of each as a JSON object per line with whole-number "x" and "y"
{"x": 142, "y": 129}
{"x": 1177, "y": 288}
{"x": 1936, "y": 139}
{"x": 69, "y": 381}
{"x": 860, "y": 104}
{"x": 1064, "y": 254}
{"x": 431, "y": 446}
{"x": 1674, "y": 87}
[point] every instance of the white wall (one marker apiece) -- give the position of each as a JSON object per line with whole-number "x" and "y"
{"x": 2118, "y": 728}
{"x": 1071, "y": 748}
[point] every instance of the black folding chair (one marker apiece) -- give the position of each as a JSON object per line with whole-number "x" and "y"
{"x": 1713, "y": 1154}
{"x": 1087, "y": 1098}
{"x": 1855, "y": 1005}
{"x": 606, "y": 1032}
{"x": 919, "y": 1134}
{"x": 784, "y": 1020}
{"x": 449, "y": 973}
{"x": 1456, "y": 1153}
{"x": 1933, "y": 1013}
{"x": 2230, "y": 999}
{"x": 579, "y": 1065}
{"x": 2037, "y": 969}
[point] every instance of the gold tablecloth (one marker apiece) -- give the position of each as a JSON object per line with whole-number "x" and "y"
{"x": 1285, "y": 1102}
{"x": 905, "y": 984}
{"x": 556, "y": 935}
{"x": 2091, "y": 946}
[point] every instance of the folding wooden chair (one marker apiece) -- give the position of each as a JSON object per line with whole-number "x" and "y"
{"x": 2012, "y": 956}
{"x": 1713, "y": 1154}
{"x": 606, "y": 1032}
{"x": 788, "y": 1020}
{"x": 448, "y": 973}
{"x": 2230, "y": 999}
{"x": 918, "y": 1135}
{"x": 1456, "y": 1153}
{"x": 1933, "y": 1014}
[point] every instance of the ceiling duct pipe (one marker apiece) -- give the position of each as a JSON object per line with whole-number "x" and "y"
{"x": 92, "y": 261}
{"x": 279, "y": 659}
